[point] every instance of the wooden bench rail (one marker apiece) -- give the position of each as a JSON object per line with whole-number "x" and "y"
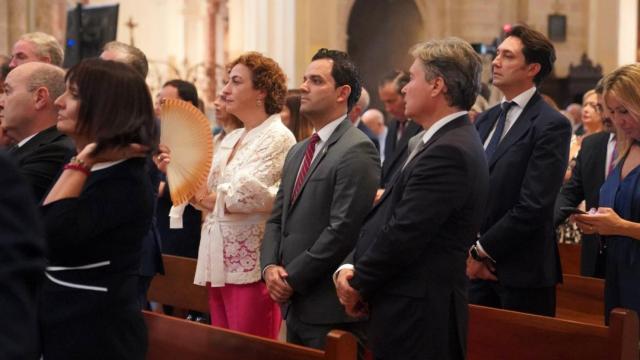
{"x": 499, "y": 334}
{"x": 176, "y": 286}
{"x": 172, "y": 338}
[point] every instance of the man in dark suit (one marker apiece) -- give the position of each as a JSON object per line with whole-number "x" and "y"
{"x": 328, "y": 185}
{"x": 593, "y": 163}
{"x": 410, "y": 256}
{"x": 400, "y": 129}
{"x": 515, "y": 262}
{"x": 29, "y": 118}
{"x": 355, "y": 116}
{"x": 151, "y": 259}
{"x": 22, "y": 265}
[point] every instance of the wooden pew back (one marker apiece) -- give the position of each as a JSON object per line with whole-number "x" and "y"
{"x": 581, "y": 299}
{"x": 172, "y": 338}
{"x": 500, "y": 334}
{"x": 176, "y": 286}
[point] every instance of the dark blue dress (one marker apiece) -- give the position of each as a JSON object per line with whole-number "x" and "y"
{"x": 622, "y": 281}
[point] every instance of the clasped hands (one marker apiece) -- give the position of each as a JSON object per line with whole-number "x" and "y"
{"x": 275, "y": 277}
{"x": 480, "y": 270}
{"x": 349, "y": 297}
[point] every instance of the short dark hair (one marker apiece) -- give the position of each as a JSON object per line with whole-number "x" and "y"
{"x": 113, "y": 118}
{"x": 186, "y": 90}
{"x": 536, "y": 48}
{"x": 344, "y": 72}
{"x": 266, "y": 75}
{"x": 399, "y": 78}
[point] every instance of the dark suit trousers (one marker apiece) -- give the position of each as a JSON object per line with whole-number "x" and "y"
{"x": 315, "y": 335}
{"x": 538, "y": 301}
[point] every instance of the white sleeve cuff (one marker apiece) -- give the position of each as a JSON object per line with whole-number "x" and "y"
{"x": 481, "y": 249}
{"x": 342, "y": 267}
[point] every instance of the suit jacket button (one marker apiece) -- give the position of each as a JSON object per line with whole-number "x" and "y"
{"x": 285, "y": 233}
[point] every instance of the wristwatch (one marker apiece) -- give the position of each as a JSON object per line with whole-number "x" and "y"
{"x": 475, "y": 254}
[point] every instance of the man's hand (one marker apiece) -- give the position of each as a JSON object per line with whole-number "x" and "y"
{"x": 348, "y": 296}
{"x": 275, "y": 279}
{"x": 480, "y": 270}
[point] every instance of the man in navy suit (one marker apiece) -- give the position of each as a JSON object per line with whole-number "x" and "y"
{"x": 400, "y": 128}
{"x": 515, "y": 263}
{"x": 594, "y": 162}
{"x": 411, "y": 252}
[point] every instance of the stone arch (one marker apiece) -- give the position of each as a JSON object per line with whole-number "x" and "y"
{"x": 379, "y": 36}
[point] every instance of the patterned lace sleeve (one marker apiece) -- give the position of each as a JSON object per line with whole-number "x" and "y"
{"x": 252, "y": 186}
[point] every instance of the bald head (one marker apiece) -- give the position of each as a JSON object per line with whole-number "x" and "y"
{"x": 361, "y": 106}
{"x": 374, "y": 119}
{"x": 130, "y": 55}
{"x": 27, "y": 105}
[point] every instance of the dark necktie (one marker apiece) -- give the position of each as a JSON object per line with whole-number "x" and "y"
{"x": 306, "y": 163}
{"x": 497, "y": 134}
{"x": 400, "y": 131}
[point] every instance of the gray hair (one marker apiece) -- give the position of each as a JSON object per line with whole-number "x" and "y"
{"x": 364, "y": 100}
{"x": 459, "y": 66}
{"x": 46, "y": 46}
{"x": 47, "y": 76}
{"x": 129, "y": 55}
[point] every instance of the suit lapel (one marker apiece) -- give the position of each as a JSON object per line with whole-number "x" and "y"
{"x": 289, "y": 178}
{"x": 337, "y": 133}
{"x": 520, "y": 127}
{"x": 412, "y": 129}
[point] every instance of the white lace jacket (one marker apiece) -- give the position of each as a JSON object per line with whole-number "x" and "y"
{"x": 246, "y": 188}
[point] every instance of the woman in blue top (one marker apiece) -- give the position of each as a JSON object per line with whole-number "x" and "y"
{"x": 618, "y": 216}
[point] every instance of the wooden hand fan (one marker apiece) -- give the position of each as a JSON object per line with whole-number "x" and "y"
{"x": 186, "y": 132}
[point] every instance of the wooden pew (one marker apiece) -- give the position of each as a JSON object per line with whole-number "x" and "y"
{"x": 500, "y": 334}
{"x": 176, "y": 286}
{"x": 570, "y": 258}
{"x": 581, "y": 299}
{"x": 172, "y": 338}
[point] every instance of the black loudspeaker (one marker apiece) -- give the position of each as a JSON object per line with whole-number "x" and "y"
{"x": 557, "y": 27}
{"x": 88, "y": 29}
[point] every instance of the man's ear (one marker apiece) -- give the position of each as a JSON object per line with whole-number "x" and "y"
{"x": 533, "y": 69}
{"x": 41, "y": 98}
{"x": 439, "y": 86}
{"x": 343, "y": 93}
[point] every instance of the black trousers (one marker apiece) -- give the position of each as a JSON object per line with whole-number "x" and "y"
{"x": 538, "y": 301}
{"x": 315, "y": 335}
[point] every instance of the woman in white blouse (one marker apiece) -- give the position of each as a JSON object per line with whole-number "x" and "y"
{"x": 242, "y": 185}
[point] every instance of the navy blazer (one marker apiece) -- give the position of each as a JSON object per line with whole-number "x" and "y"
{"x": 411, "y": 254}
{"x": 41, "y": 158}
{"x": 526, "y": 172}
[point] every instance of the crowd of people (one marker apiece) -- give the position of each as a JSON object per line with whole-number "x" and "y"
{"x": 316, "y": 209}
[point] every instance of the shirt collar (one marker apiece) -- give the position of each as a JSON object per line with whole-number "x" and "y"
{"x": 327, "y": 130}
{"x": 440, "y": 123}
{"x": 523, "y": 98}
{"x": 25, "y": 140}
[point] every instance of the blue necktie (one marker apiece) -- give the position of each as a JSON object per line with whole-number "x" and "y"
{"x": 497, "y": 134}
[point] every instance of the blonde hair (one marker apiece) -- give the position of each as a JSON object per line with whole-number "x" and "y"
{"x": 46, "y": 46}
{"x": 624, "y": 84}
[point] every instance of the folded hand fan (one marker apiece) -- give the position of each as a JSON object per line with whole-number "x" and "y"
{"x": 185, "y": 131}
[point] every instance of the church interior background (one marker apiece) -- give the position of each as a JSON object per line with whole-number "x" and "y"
{"x": 193, "y": 39}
